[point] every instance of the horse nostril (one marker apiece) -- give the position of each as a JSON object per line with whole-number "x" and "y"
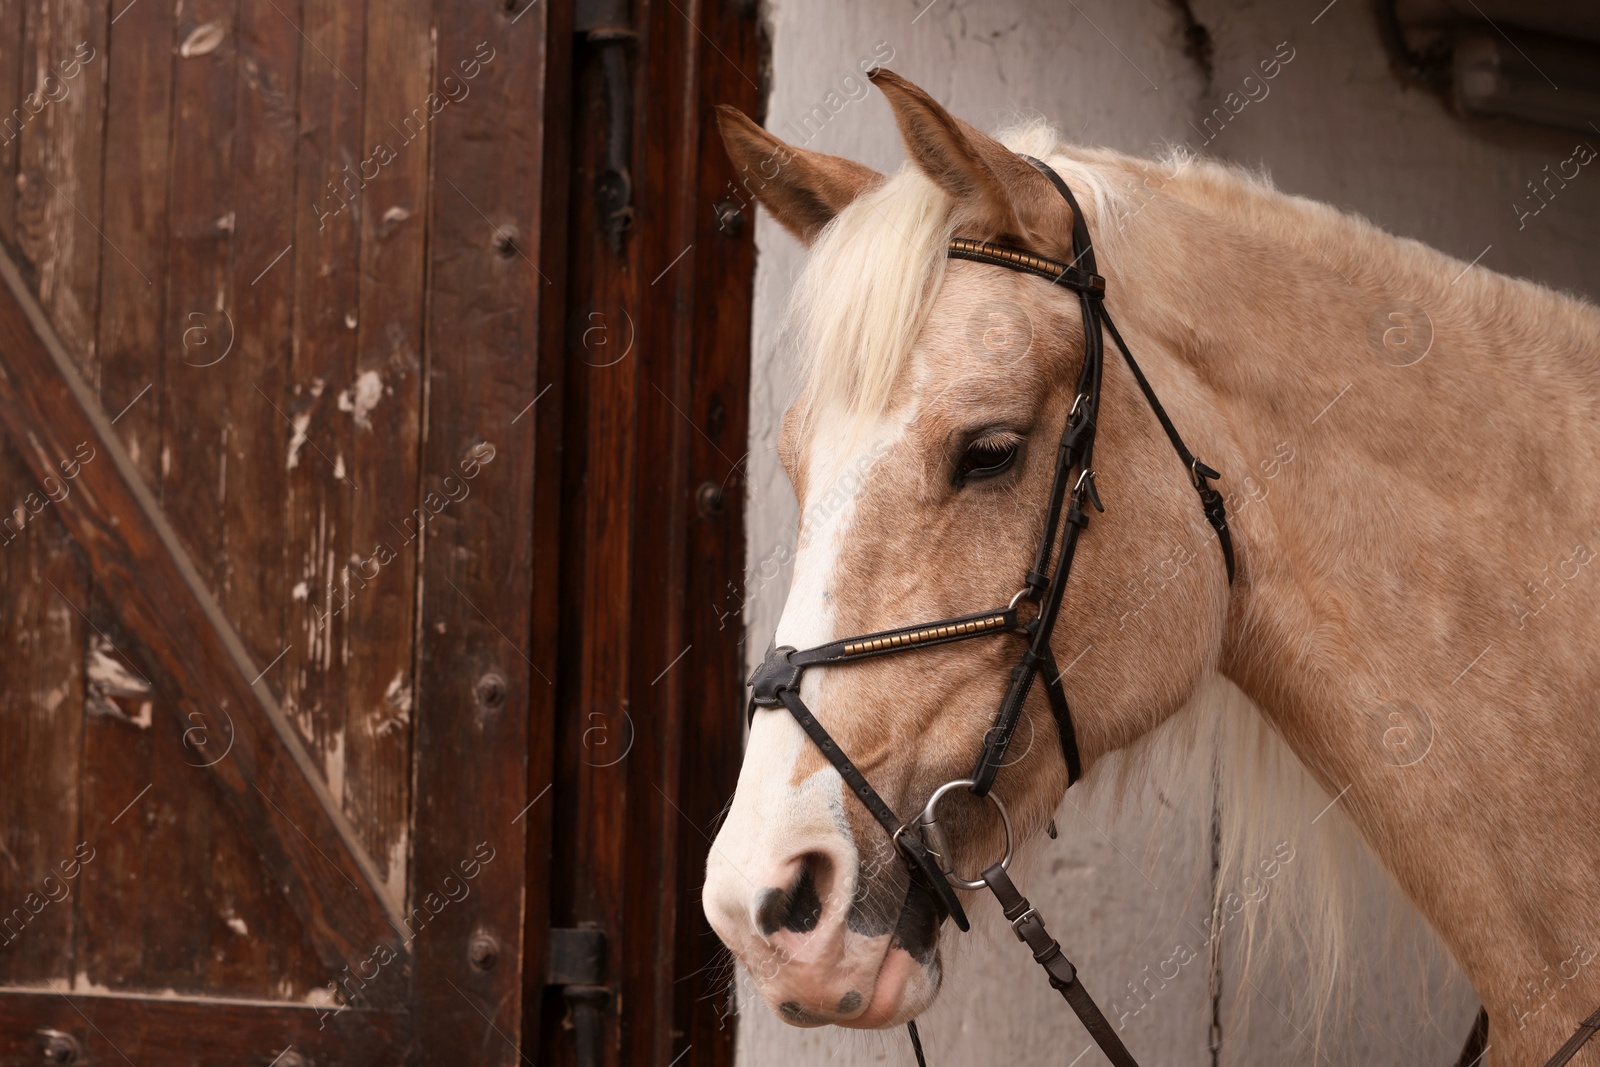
{"x": 798, "y": 908}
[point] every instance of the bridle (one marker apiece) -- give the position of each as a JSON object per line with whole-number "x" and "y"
{"x": 922, "y": 843}
{"x": 776, "y": 683}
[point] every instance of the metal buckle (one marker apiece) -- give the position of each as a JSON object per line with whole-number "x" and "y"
{"x": 1023, "y": 593}
{"x": 939, "y": 846}
{"x": 1016, "y": 924}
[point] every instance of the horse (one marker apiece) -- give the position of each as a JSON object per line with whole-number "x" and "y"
{"x": 1406, "y": 444}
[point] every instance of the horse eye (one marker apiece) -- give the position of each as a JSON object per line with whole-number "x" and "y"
{"x": 986, "y": 457}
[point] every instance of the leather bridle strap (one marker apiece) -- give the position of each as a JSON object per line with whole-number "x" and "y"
{"x": 1580, "y": 1037}
{"x": 1200, "y": 475}
{"x": 1029, "y": 928}
{"x": 1076, "y": 451}
{"x": 776, "y": 683}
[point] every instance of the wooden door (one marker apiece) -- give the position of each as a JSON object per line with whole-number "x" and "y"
{"x": 322, "y": 544}
{"x": 649, "y": 367}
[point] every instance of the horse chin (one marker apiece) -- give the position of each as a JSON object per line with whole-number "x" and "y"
{"x": 909, "y": 978}
{"x": 904, "y": 990}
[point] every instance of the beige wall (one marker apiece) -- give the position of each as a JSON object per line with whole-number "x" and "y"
{"x": 1334, "y": 125}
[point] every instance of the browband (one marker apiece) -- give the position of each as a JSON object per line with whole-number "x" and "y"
{"x": 1063, "y": 274}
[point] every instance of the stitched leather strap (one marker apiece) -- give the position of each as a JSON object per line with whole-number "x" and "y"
{"x": 1063, "y": 274}
{"x": 1062, "y": 713}
{"x": 998, "y": 739}
{"x": 777, "y": 683}
{"x": 1580, "y": 1037}
{"x": 1029, "y": 927}
{"x": 918, "y": 858}
{"x": 1199, "y": 474}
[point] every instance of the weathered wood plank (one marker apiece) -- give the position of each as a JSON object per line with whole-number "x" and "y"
{"x": 138, "y": 124}
{"x": 267, "y": 781}
{"x": 58, "y": 214}
{"x": 657, "y": 623}
{"x": 546, "y": 578}
{"x": 113, "y": 898}
{"x": 319, "y": 542}
{"x": 385, "y": 419}
{"x": 604, "y": 393}
{"x": 59, "y": 164}
{"x": 11, "y": 114}
{"x": 185, "y": 1032}
{"x": 41, "y": 707}
{"x": 472, "y": 697}
{"x": 193, "y": 403}
{"x": 708, "y": 684}
{"x": 253, "y": 933}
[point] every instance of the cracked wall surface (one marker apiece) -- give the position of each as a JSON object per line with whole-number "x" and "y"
{"x": 1137, "y": 75}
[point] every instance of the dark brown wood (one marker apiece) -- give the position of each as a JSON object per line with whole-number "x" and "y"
{"x": 59, "y": 165}
{"x": 319, "y": 541}
{"x": 189, "y": 1032}
{"x": 655, "y": 625}
{"x": 528, "y": 712}
{"x": 57, "y": 212}
{"x": 179, "y": 827}
{"x": 267, "y": 780}
{"x": 119, "y": 893}
{"x": 41, "y": 697}
{"x": 256, "y": 589}
{"x": 714, "y": 384}
{"x": 646, "y": 554}
{"x": 384, "y": 425}
{"x": 546, "y": 584}
{"x": 11, "y": 93}
{"x": 604, "y": 383}
{"x": 484, "y": 300}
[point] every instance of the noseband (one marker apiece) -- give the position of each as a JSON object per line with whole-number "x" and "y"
{"x": 776, "y": 683}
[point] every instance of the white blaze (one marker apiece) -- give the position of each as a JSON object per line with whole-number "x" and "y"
{"x": 771, "y": 820}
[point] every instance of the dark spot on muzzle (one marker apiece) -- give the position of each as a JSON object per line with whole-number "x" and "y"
{"x": 792, "y": 1011}
{"x": 849, "y": 1002}
{"x": 798, "y": 909}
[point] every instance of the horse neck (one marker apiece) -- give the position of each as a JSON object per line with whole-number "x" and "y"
{"x": 1418, "y": 552}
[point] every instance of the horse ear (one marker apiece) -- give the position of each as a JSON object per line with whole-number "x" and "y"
{"x": 803, "y": 190}
{"x": 992, "y": 186}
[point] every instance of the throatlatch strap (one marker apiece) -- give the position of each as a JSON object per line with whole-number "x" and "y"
{"x": 1211, "y": 501}
{"x": 1025, "y": 920}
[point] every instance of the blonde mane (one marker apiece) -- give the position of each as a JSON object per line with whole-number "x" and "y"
{"x": 865, "y": 291}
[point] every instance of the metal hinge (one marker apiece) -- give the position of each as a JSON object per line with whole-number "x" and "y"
{"x": 578, "y": 966}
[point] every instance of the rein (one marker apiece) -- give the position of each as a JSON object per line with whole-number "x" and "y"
{"x": 922, "y": 842}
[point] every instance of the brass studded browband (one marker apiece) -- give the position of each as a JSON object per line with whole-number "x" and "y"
{"x": 926, "y": 634}
{"x": 1066, "y": 275}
